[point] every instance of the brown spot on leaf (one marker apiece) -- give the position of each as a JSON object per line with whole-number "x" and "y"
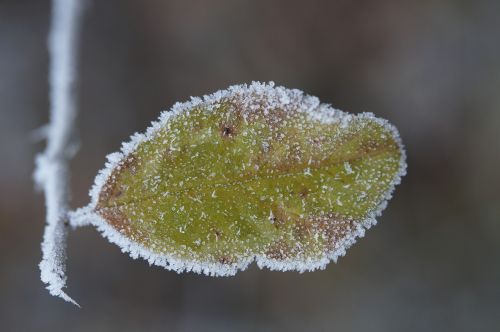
{"x": 116, "y": 218}
{"x": 230, "y": 125}
{"x": 225, "y": 259}
{"x": 281, "y": 215}
{"x": 111, "y": 189}
{"x": 217, "y": 234}
{"x": 284, "y": 166}
{"x": 303, "y": 229}
{"x": 368, "y": 146}
{"x": 304, "y": 192}
{"x": 331, "y": 227}
{"x": 227, "y": 131}
{"x": 279, "y": 250}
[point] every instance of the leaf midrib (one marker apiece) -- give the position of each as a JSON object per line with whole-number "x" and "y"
{"x": 241, "y": 181}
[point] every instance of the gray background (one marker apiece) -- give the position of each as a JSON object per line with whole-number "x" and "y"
{"x": 431, "y": 67}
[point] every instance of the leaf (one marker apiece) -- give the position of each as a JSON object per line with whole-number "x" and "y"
{"x": 250, "y": 173}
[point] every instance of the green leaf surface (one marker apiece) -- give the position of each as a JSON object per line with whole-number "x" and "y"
{"x": 251, "y": 173}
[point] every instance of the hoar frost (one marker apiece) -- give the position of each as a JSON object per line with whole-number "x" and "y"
{"x": 52, "y": 166}
{"x": 252, "y": 173}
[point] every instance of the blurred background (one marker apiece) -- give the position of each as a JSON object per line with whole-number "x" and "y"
{"x": 431, "y": 67}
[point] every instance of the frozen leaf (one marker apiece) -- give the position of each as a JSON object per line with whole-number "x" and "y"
{"x": 254, "y": 172}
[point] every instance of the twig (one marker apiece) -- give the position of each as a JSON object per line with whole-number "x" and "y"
{"x": 52, "y": 170}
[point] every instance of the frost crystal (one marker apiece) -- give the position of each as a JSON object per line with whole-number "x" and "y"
{"x": 51, "y": 173}
{"x": 252, "y": 173}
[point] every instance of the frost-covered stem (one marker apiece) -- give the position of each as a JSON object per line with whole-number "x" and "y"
{"x": 52, "y": 169}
